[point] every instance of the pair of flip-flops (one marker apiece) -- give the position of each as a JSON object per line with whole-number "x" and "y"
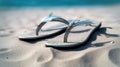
{"x": 68, "y": 36}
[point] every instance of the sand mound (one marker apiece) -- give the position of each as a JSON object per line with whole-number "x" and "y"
{"x": 114, "y": 56}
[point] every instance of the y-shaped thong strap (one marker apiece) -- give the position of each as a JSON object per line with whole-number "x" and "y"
{"x": 72, "y": 25}
{"x": 49, "y": 19}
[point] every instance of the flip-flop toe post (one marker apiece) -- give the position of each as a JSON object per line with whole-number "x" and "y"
{"x": 58, "y": 42}
{"x": 44, "y": 21}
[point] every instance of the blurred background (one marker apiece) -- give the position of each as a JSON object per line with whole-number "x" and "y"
{"x": 55, "y": 3}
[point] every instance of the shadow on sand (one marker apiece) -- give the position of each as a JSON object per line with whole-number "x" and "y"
{"x": 93, "y": 38}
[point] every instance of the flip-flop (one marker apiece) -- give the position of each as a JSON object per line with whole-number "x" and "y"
{"x": 74, "y": 36}
{"x": 41, "y": 34}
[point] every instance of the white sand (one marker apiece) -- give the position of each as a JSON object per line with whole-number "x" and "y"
{"x": 15, "y": 53}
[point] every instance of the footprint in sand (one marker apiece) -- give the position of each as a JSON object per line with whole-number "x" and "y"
{"x": 114, "y": 55}
{"x": 5, "y": 32}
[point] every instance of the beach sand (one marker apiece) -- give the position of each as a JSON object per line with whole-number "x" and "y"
{"x": 102, "y": 51}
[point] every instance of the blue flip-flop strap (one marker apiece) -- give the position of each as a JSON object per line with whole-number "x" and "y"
{"x": 48, "y": 19}
{"x": 71, "y": 25}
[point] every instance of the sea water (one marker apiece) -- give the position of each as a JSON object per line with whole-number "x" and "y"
{"x": 55, "y": 3}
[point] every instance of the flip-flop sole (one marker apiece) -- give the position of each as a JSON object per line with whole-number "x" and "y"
{"x": 61, "y": 44}
{"x": 41, "y": 37}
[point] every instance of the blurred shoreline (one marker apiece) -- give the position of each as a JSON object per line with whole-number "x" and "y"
{"x": 58, "y": 3}
{"x": 59, "y": 7}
